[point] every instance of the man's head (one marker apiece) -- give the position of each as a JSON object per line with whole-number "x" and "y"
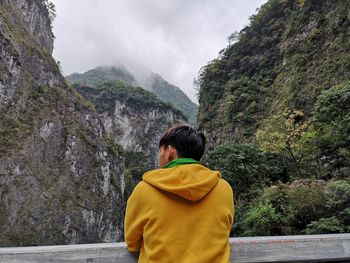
{"x": 181, "y": 141}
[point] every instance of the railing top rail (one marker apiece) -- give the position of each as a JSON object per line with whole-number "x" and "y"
{"x": 308, "y": 248}
{"x": 299, "y": 238}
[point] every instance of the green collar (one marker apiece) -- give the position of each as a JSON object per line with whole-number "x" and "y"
{"x": 180, "y": 161}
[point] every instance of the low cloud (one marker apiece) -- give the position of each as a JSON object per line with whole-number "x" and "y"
{"x": 173, "y": 38}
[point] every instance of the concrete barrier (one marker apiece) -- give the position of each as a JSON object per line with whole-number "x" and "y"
{"x": 312, "y": 248}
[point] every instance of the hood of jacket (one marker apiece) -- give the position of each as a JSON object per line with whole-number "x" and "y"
{"x": 190, "y": 181}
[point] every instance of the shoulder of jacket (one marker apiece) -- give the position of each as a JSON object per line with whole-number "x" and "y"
{"x": 225, "y": 184}
{"x": 142, "y": 186}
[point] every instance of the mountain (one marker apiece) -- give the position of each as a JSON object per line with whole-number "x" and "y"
{"x": 172, "y": 94}
{"x": 133, "y": 120}
{"x": 67, "y": 162}
{"x": 290, "y": 52}
{"x": 103, "y": 74}
{"x": 276, "y": 108}
{"x": 55, "y": 168}
{"x": 121, "y": 103}
{"x": 150, "y": 81}
{"x": 134, "y": 117}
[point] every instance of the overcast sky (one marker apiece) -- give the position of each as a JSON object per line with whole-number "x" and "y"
{"x": 173, "y": 38}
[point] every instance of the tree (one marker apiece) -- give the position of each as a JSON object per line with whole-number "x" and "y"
{"x": 333, "y": 109}
{"x": 282, "y": 134}
{"x": 286, "y": 209}
{"x": 245, "y": 167}
{"x": 332, "y": 125}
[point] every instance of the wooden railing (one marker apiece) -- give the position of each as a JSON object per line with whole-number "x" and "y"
{"x": 313, "y": 248}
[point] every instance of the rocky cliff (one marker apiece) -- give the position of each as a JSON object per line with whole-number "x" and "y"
{"x": 275, "y": 106}
{"x": 61, "y": 175}
{"x": 133, "y": 117}
{"x": 289, "y": 53}
{"x": 169, "y": 93}
{"x": 64, "y": 161}
{"x": 152, "y": 82}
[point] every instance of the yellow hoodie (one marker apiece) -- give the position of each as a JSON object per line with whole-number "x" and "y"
{"x": 180, "y": 214}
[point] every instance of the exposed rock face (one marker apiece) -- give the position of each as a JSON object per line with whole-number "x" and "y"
{"x": 127, "y": 124}
{"x": 171, "y": 94}
{"x": 36, "y": 22}
{"x": 152, "y": 82}
{"x": 61, "y": 177}
{"x": 25, "y": 31}
{"x": 10, "y": 65}
{"x": 59, "y": 183}
{"x": 135, "y": 118}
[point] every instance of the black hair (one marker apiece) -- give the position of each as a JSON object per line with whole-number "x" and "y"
{"x": 188, "y": 142}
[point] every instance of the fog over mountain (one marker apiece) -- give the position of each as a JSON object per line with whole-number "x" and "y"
{"x": 174, "y": 38}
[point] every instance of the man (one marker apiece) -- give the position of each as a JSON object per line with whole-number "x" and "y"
{"x": 182, "y": 212}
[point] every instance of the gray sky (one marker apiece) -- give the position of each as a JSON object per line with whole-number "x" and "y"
{"x": 173, "y": 38}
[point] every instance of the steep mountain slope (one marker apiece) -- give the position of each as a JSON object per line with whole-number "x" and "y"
{"x": 102, "y": 74}
{"x": 290, "y": 52}
{"x": 55, "y": 168}
{"x": 133, "y": 117}
{"x": 152, "y": 82}
{"x": 67, "y": 164}
{"x": 275, "y": 106}
{"x": 172, "y": 94}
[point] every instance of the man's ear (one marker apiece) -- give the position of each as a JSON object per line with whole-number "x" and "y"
{"x": 172, "y": 153}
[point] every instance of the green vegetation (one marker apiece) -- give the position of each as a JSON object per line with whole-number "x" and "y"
{"x": 326, "y": 226}
{"x": 301, "y": 207}
{"x": 273, "y": 196}
{"x": 112, "y": 146}
{"x": 103, "y": 96}
{"x": 246, "y": 168}
{"x": 102, "y": 74}
{"x": 276, "y": 105}
{"x": 15, "y": 31}
{"x": 173, "y": 95}
{"x": 282, "y": 135}
{"x": 13, "y": 132}
{"x": 285, "y": 58}
{"x": 164, "y": 91}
